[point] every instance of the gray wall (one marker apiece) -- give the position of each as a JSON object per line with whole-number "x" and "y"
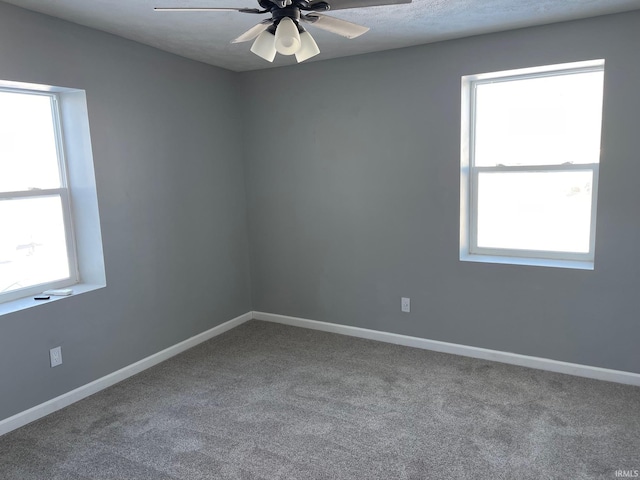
{"x": 172, "y": 204}
{"x": 358, "y": 205}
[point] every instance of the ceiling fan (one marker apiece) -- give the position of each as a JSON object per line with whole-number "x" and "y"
{"x": 283, "y": 32}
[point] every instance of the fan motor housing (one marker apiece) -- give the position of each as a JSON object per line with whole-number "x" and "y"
{"x": 273, "y": 6}
{"x": 279, "y": 13}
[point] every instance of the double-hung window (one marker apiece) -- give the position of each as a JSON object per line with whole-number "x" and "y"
{"x": 529, "y": 170}
{"x": 37, "y": 248}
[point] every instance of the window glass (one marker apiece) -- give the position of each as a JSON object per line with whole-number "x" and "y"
{"x": 547, "y": 120}
{"x": 28, "y": 153}
{"x": 33, "y": 247}
{"x": 548, "y": 211}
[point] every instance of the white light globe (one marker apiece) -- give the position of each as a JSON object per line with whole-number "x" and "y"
{"x": 264, "y": 46}
{"x": 309, "y": 47}
{"x": 287, "y": 37}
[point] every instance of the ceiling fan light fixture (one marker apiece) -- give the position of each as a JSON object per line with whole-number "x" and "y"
{"x": 308, "y": 47}
{"x": 265, "y": 46}
{"x": 287, "y": 37}
{"x": 283, "y": 33}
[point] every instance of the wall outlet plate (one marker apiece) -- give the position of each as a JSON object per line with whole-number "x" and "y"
{"x": 55, "y": 354}
{"x": 405, "y": 304}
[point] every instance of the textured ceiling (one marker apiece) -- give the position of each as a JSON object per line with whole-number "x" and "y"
{"x": 206, "y": 36}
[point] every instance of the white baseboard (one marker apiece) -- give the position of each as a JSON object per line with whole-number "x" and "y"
{"x": 597, "y": 373}
{"x": 84, "y": 391}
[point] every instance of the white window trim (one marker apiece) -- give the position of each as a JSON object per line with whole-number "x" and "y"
{"x": 469, "y": 250}
{"x": 88, "y": 271}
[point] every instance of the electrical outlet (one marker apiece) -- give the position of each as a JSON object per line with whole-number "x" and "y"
{"x": 405, "y": 304}
{"x": 55, "y": 354}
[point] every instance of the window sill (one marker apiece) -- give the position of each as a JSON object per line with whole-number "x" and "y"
{"x": 535, "y": 262}
{"x": 28, "y": 302}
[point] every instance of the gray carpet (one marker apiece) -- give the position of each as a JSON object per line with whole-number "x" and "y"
{"x": 267, "y": 401}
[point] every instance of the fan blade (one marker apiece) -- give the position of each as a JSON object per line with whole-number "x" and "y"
{"x": 203, "y": 9}
{"x": 253, "y": 32}
{"x": 335, "y": 25}
{"x": 344, "y": 4}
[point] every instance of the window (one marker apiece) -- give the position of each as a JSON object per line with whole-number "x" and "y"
{"x": 37, "y": 245}
{"x": 46, "y": 168}
{"x": 529, "y": 169}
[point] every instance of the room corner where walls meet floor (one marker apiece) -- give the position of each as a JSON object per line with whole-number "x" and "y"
{"x": 62, "y": 401}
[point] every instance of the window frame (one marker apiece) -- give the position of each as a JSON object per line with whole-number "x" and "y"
{"x": 469, "y": 249}
{"x": 63, "y": 192}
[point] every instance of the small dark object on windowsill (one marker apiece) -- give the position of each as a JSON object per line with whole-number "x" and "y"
{"x": 42, "y": 297}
